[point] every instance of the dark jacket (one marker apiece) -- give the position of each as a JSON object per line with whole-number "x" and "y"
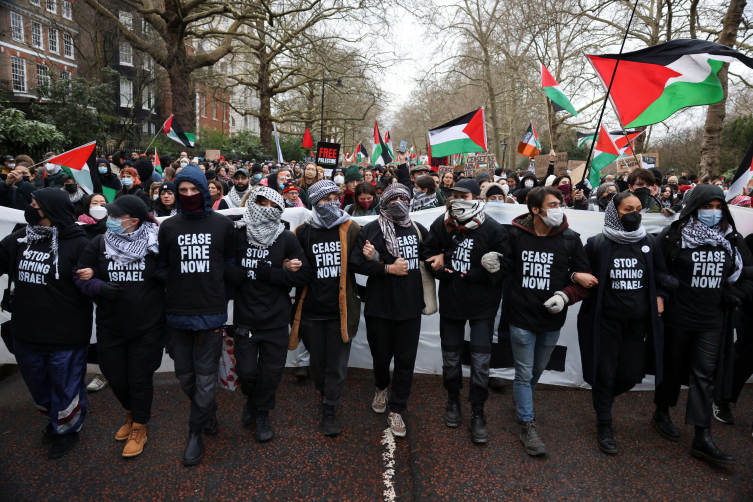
{"x": 55, "y": 180}
{"x": 16, "y": 196}
{"x": 109, "y": 179}
{"x": 520, "y": 186}
{"x": 138, "y": 191}
{"x": 403, "y": 176}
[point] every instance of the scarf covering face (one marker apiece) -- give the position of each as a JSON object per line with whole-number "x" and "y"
{"x": 696, "y": 234}
{"x": 463, "y": 215}
{"x": 421, "y": 200}
{"x": 614, "y": 231}
{"x": 263, "y": 224}
{"x": 134, "y": 246}
{"x": 234, "y": 197}
{"x": 38, "y": 233}
{"x": 566, "y": 193}
{"x": 80, "y": 194}
{"x": 392, "y": 213}
{"x": 328, "y": 215}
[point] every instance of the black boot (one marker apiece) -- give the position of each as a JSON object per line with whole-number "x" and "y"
{"x": 263, "y": 427}
{"x": 194, "y": 449}
{"x": 62, "y": 444}
{"x": 704, "y": 448}
{"x": 478, "y": 424}
{"x": 663, "y": 424}
{"x": 329, "y": 421}
{"x": 604, "y": 437}
{"x": 47, "y": 434}
{"x": 452, "y": 416}
{"x": 248, "y": 416}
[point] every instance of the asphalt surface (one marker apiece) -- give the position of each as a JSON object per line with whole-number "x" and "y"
{"x": 432, "y": 463}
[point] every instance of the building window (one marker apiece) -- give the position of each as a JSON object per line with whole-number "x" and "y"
{"x": 68, "y": 45}
{"x": 65, "y": 75}
{"x": 145, "y": 127}
{"x": 126, "y": 18}
{"x": 126, "y": 54}
{"x": 18, "y": 70}
{"x": 214, "y": 109}
{"x": 146, "y": 102}
{"x": 43, "y": 75}
{"x": 203, "y": 106}
{"x": 126, "y": 93}
{"x": 232, "y": 121}
{"x": 17, "y": 26}
{"x": 36, "y": 35}
{"x": 154, "y": 128}
{"x": 52, "y": 35}
{"x": 224, "y": 112}
{"x": 52, "y": 6}
{"x": 35, "y": 3}
{"x": 67, "y": 10}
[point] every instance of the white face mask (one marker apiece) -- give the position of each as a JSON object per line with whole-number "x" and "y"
{"x": 528, "y": 183}
{"x": 155, "y": 196}
{"x": 183, "y": 164}
{"x": 11, "y": 166}
{"x": 50, "y": 167}
{"x": 98, "y": 212}
{"x": 339, "y": 179}
{"x": 554, "y": 217}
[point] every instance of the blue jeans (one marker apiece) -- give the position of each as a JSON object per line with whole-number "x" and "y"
{"x": 531, "y": 352}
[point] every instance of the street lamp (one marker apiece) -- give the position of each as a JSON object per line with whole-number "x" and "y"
{"x": 504, "y": 152}
{"x": 339, "y": 84}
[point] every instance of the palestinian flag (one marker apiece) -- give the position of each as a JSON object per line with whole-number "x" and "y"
{"x": 530, "y": 145}
{"x": 653, "y": 83}
{"x": 388, "y": 142}
{"x": 79, "y": 164}
{"x": 554, "y": 93}
{"x": 175, "y": 132}
{"x": 380, "y": 155}
{"x": 605, "y": 152}
{"x": 617, "y": 136}
{"x": 740, "y": 181}
{"x": 466, "y": 134}
{"x": 361, "y": 153}
{"x": 157, "y": 164}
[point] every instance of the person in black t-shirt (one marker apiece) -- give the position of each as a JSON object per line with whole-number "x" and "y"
{"x": 707, "y": 255}
{"x": 388, "y": 250}
{"x": 327, "y": 310}
{"x": 622, "y": 309}
{"x": 121, "y": 265}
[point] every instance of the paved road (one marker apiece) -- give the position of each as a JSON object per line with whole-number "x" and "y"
{"x": 432, "y": 463}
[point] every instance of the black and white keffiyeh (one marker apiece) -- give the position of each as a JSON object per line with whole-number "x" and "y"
{"x": 696, "y": 234}
{"x": 394, "y": 213}
{"x": 134, "y": 246}
{"x": 421, "y": 200}
{"x": 38, "y": 233}
{"x": 614, "y": 231}
{"x": 80, "y": 194}
{"x": 464, "y": 215}
{"x": 263, "y": 224}
{"x": 327, "y": 215}
{"x": 234, "y": 197}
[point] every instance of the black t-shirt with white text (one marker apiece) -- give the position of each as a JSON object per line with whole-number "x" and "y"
{"x": 322, "y": 249}
{"x": 626, "y": 293}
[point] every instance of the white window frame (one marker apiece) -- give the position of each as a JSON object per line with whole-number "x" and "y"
{"x": 67, "y": 8}
{"x": 126, "y": 98}
{"x": 65, "y": 75}
{"x": 126, "y": 54}
{"x": 52, "y": 36}
{"x": 17, "y": 27}
{"x": 68, "y": 50}
{"x": 153, "y": 128}
{"x": 37, "y": 38}
{"x": 126, "y": 18}
{"x": 145, "y": 127}
{"x": 52, "y": 6}
{"x": 214, "y": 109}
{"x": 43, "y": 74}
{"x": 35, "y": 3}
{"x": 146, "y": 101}
{"x": 203, "y": 106}
{"x": 18, "y": 72}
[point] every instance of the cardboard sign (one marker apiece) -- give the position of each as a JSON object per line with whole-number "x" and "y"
{"x": 481, "y": 162}
{"x": 577, "y": 170}
{"x": 306, "y": 160}
{"x": 327, "y": 154}
{"x": 212, "y": 155}
{"x": 542, "y": 164}
{"x": 446, "y": 169}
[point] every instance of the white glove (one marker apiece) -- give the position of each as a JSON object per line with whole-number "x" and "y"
{"x": 490, "y": 261}
{"x": 556, "y": 303}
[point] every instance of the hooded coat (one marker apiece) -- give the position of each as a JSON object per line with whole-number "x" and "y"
{"x": 145, "y": 169}
{"x": 93, "y": 229}
{"x": 109, "y": 179}
{"x": 522, "y": 185}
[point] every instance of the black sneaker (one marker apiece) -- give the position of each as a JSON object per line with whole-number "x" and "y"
{"x": 62, "y": 444}
{"x": 662, "y": 422}
{"x": 723, "y": 412}
{"x": 47, "y": 434}
{"x": 606, "y": 441}
{"x": 263, "y": 428}
{"x": 248, "y": 416}
{"x": 329, "y": 421}
{"x": 478, "y": 425}
{"x": 452, "y": 415}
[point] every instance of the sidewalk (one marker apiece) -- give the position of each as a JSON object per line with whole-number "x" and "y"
{"x": 432, "y": 463}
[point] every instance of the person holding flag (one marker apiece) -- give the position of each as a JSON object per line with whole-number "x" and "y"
{"x": 109, "y": 180}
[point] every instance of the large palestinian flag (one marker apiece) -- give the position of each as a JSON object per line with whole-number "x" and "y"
{"x": 380, "y": 155}
{"x": 605, "y": 152}
{"x": 79, "y": 163}
{"x": 466, "y": 134}
{"x": 740, "y": 181}
{"x": 530, "y": 145}
{"x": 554, "y": 93}
{"x": 653, "y": 83}
{"x": 175, "y": 132}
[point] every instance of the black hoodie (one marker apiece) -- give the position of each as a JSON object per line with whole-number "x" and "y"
{"x": 48, "y": 313}
{"x": 93, "y": 229}
{"x": 522, "y": 184}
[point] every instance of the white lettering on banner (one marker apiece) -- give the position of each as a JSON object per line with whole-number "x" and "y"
{"x": 194, "y": 253}
{"x": 537, "y": 269}
{"x": 132, "y": 272}
{"x": 327, "y": 255}
{"x": 625, "y": 268}
{"x": 409, "y": 250}
{"x": 708, "y": 268}
{"x": 33, "y": 269}
{"x": 251, "y": 260}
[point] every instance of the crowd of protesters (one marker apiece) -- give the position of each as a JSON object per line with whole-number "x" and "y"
{"x": 80, "y": 251}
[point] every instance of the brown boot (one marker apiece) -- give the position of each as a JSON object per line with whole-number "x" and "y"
{"x": 136, "y": 440}
{"x": 125, "y": 431}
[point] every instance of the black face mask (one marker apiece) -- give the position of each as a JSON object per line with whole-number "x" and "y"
{"x": 604, "y": 201}
{"x": 631, "y": 221}
{"x": 644, "y": 195}
{"x": 71, "y": 188}
{"x": 31, "y": 214}
{"x": 26, "y": 178}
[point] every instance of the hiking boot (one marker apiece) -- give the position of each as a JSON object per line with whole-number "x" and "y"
{"x": 212, "y": 426}
{"x": 478, "y": 425}
{"x": 452, "y": 417}
{"x": 136, "y": 440}
{"x": 329, "y": 421}
{"x": 48, "y": 434}
{"x": 723, "y": 413}
{"x": 302, "y": 373}
{"x": 703, "y": 447}
{"x": 606, "y": 442}
{"x": 662, "y": 422}
{"x": 194, "y": 449}
{"x": 98, "y": 383}
{"x": 263, "y": 427}
{"x": 530, "y": 439}
{"x": 248, "y": 416}
{"x": 379, "y": 404}
{"x": 62, "y": 444}
{"x": 397, "y": 426}
{"x": 125, "y": 431}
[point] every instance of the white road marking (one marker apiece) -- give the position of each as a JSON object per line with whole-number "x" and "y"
{"x": 388, "y": 439}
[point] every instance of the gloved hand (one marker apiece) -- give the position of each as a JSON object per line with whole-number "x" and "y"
{"x": 490, "y": 261}
{"x": 556, "y": 303}
{"x": 110, "y": 290}
{"x": 160, "y": 276}
{"x": 235, "y": 274}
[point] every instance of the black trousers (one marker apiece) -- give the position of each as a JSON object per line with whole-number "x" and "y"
{"x": 128, "y": 363}
{"x": 197, "y": 359}
{"x": 260, "y": 357}
{"x": 390, "y": 339}
{"x": 621, "y": 362}
{"x": 701, "y": 349}
{"x": 743, "y": 365}
{"x": 329, "y": 357}
{"x": 452, "y": 335}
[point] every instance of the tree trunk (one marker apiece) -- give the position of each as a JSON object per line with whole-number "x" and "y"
{"x": 640, "y": 142}
{"x": 711, "y": 145}
{"x": 491, "y": 96}
{"x": 265, "y": 105}
{"x": 183, "y": 99}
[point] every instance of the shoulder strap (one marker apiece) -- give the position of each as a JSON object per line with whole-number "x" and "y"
{"x": 420, "y": 237}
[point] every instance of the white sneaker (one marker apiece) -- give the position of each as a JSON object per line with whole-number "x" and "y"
{"x": 98, "y": 383}
{"x": 379, "y": 404}
{"x": 397, "y": 426}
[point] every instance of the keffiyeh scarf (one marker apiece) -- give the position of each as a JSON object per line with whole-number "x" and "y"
{"x": 328, "y": 215}
{"x": 463, "y": 215}
{"x": 234, "y": 197}
{"x": 421, "y": 200}
{"x": 80, "y": 194}
{"x": 38, "y": 233}
{"x": 614, "y": 231}
{"x": 696, "y": 234}
{"x": 263, "y": 224}
{"x": 394, "y": 213}
{"x": 134, "y": 246}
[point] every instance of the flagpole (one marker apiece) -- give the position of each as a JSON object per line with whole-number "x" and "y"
{"x": 587, "y": 171}
{"x": 155, "y": 137}
{"x": 630, "y": 145}
{"x": 549, "y": 122}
